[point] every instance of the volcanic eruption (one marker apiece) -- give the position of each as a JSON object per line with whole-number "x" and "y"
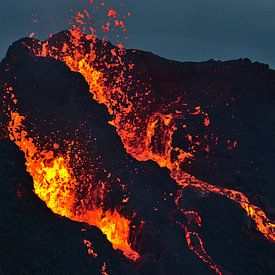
{"x": 135, "y": 145}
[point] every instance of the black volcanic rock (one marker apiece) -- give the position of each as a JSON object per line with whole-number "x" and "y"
{"x": 54, "y": 98}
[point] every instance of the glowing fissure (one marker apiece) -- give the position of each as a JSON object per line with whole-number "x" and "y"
{"x": 199, "y": 250}
{"x": 56, "y": 184}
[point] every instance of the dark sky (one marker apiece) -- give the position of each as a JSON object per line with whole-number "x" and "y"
{"x": 186, "y": 30}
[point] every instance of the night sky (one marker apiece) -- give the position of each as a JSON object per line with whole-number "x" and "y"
{"x": 185, "y": 30}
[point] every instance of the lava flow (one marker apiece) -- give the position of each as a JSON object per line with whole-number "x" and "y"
{"x": 147, "y": 134}
{"x": 146, "y": 125}
{"x": 139, "y": 136}
{"x": 56, "y": 184}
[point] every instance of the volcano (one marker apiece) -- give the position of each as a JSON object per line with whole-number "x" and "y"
{"x": 118, "y": 161}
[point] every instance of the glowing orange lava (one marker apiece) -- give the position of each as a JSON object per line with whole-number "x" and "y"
{"x": 55, "y": 183}
{"x": 139, "y": 135}
{"x": 141, "y": 146}
{"x": 146, "y": 133}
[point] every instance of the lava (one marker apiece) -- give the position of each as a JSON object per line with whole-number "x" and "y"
{"x": 139, "y": 138}
{"x": 90, "y": 248}
{"x": 56, "y": 184}
{"x": 150, "y": 138}
{"x": 147, "y": 137}
{"x": 146, "y": 128}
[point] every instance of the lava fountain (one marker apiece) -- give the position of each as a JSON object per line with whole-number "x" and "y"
{"x": 146, "y": 125}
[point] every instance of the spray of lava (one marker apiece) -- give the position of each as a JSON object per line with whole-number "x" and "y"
{"x": 149, "y": 137}
{"x": 146, "y": 128}
{"x": 56, "y": 183}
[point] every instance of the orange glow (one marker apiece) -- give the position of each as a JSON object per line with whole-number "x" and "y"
{"x": 112, "y": 12}
{"x": 55, "y": 183}
{"x": 149, "y": 138}
{"x": 90, "y": 248}
{"x": 146, "y": 133}
{"x": 199, "y": 250}
{"x": 103, "y": 269}
{"x": 141, "y": 148}
{"x": 263, "y": 224}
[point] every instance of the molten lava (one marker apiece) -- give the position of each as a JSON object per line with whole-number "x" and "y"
{"x": 148, "y": 137}
{"x": 56, "y": 184}
{"x": 146, "y": 127}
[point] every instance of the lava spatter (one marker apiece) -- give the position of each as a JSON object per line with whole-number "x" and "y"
{"x": 56, "y": 184}
{"x": 146, "y": 127}
{"x": 146, "y": 133}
